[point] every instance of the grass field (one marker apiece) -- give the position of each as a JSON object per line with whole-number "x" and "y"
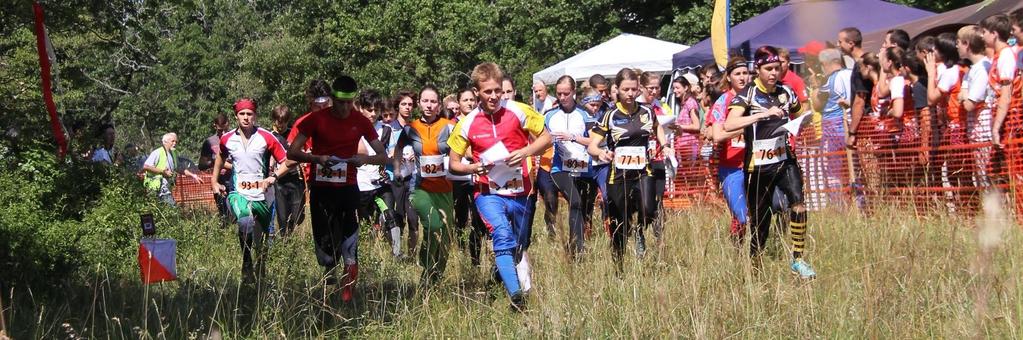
{"x": 884, "y": 276}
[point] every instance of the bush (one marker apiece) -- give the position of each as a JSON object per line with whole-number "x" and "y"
{"x": 62, "y": 218}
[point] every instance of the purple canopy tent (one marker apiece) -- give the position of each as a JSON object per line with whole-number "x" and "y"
{"x": 796, "y": 22}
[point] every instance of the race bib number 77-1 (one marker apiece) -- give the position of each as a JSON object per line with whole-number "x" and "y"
{"x": 630, "y": 157}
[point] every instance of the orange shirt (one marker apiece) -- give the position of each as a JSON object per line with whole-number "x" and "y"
{"x": 430, "y": 142}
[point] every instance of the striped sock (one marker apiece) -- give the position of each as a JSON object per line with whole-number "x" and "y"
{"x": 797, "y": 227}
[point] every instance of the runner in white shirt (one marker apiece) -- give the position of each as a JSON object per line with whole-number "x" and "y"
{"x": 250, "y": 148}
{"x": 568, "y": 124}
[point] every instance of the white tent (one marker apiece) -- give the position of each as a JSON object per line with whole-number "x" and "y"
{"x": 625, "y": 50}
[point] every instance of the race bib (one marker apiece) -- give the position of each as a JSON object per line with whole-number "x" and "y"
{"x": 335, "y": 174}
{"x": 248, "y": 185}
{"x": 432, "y": 166}
{"x": 738, "y": 142}
{"x": 597, "y": 161}
{"x": 769, "y": 151}
{"x": 630, "y": 157}
{"x": 575, "y": 159}
{"x": 513, "y": 186}
{"x": 651, "y": 148}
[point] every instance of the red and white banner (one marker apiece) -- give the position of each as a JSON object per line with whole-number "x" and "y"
{"x": 45, "y": 58}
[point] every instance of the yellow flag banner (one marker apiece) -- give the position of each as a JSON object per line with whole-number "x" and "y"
{"x": 719, "y": 31}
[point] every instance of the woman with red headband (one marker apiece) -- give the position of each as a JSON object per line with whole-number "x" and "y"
{"x": 761, "y": 111}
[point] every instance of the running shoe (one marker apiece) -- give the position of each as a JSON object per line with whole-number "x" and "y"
{"x": 518, "y": 302}
{"x": 801, "y": 268}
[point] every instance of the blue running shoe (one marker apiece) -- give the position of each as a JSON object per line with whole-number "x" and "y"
{"x": 803, "y": 269}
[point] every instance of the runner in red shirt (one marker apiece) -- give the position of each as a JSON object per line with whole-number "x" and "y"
{"x": 733, "y": 146}
{"x": 336, "y": 133}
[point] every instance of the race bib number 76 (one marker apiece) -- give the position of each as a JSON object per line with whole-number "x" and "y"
{"x": 769, "y": 151}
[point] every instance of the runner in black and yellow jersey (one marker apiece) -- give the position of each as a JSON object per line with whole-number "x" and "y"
{"x": 762, "y": 109}
{"x": 628, "y": 128}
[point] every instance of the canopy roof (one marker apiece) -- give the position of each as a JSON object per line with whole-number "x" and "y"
{"x": 613, "y": 55}
{"x": 795, "y": 22}
{"x": 949, "y": 21}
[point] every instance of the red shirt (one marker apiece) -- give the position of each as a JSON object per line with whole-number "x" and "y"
{"x": 306, "y": 170}
{"x": 793, "y": 81}
{"x": 335, "y": 137}
{"x": 735, "y": 148}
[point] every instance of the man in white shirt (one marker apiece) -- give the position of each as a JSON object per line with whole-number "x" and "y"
{"x": 541, "y": 100}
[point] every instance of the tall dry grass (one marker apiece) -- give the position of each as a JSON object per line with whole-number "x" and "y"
{"x": 884, "y": 276}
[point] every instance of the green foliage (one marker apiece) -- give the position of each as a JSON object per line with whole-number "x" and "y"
{"x": 694, "y": 25}
{"x": 61, "y": 219}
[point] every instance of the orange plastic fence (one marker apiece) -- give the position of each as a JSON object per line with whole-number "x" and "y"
{"x": 919, "y": 167}
{"x": 192, "y": 194}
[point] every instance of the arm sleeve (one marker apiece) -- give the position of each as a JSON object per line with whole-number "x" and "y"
{"x": 306, "y": 126}
{"x": 222, "y": 146}
{"x": 795, "y": 105}
{"x": 948, "y": 79}
{"x": 977, "y": 87}
{"x": 276, "y": 149}
{"x": 829, "y": 85}
{"x": 368, "y": 131}
{"x": 602, "y": 126}
{"x": 153, "y": 157}
{"x": 547, "y": 121}
{"x": 898, "y": 87}
{"x": 717, "y": 112}
{"x": 457, "y": 141}
{"x": 739, "y": 101}
{"x": 1006, "y": 64}
{"x": 533, "y": 122}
